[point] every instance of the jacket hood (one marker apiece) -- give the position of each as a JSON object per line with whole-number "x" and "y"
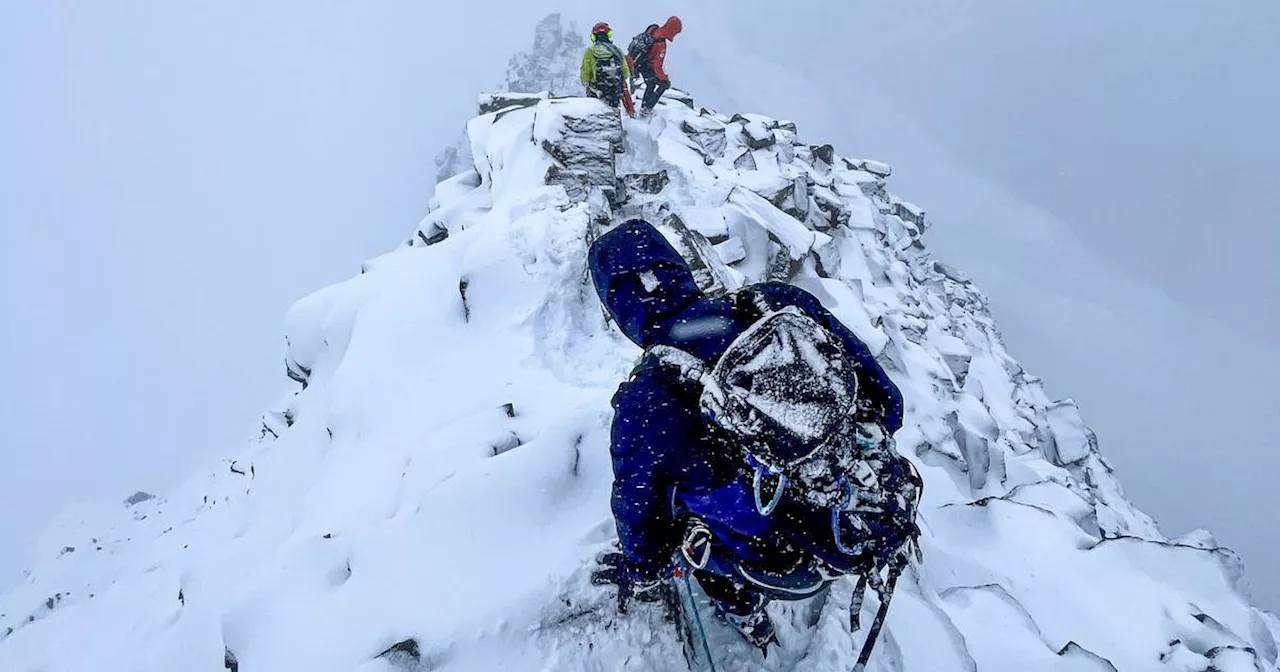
{"x": 670, "y": 29}
{"x": 642, "y": 281}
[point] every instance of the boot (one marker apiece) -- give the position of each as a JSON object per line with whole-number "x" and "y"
{"x": 755, "y": 627}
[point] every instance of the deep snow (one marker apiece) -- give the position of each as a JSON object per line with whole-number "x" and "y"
{"x": 433, "y": 494}
{"x": 139, "y": 132}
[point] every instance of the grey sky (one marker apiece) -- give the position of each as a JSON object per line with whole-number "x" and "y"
{"x": 174, "y": 175}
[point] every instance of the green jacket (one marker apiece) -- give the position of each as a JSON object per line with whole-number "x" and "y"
{"x": 602, "y": 50}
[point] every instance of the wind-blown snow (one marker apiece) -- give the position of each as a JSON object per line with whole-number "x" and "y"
{"x": 433, "y": 495}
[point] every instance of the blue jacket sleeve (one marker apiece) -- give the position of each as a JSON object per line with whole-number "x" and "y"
{"x": 651, "y": 427}
{"x": 873, "y": 382}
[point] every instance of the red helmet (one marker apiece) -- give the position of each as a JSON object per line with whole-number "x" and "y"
{"x": 601, "y": 28}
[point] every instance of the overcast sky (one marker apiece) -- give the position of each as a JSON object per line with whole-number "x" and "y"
{"x": 174, "y": 175}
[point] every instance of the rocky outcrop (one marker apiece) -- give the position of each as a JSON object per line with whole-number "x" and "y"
{"x": 551, "y": 63}
{"x": 582, "y": 136}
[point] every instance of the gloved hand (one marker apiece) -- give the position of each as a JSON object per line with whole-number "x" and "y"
{"x": 632, "y": 584}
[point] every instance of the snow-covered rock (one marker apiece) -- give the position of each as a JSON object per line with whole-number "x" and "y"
{"x": 433, "y": 494}
{"x": 549, "y": 68}
{"x": 551, "y": 64}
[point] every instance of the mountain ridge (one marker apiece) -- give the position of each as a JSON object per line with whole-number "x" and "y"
{"x": 469, "y": 371}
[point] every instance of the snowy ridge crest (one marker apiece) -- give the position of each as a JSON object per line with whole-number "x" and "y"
{"x": 434, "y": 493}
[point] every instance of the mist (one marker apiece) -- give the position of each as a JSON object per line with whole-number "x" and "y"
{"x": 174, "y": 175}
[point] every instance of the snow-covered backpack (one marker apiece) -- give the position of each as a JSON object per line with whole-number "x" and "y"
{"x": 784, "y": 394}
{"x": 609, "y": 72}
{"x": 639, "y": 48}
{"x": 784, "y": 397}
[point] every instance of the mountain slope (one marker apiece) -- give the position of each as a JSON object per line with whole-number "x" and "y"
{"x": 432, "y": 496}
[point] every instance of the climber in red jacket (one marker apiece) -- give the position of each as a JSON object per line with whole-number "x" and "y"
{"x": 646, "y": 55}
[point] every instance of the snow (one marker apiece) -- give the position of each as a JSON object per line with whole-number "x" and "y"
{"x": 443, "y": 475}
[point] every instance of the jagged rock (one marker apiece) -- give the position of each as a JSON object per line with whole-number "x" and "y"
{"x": 731, "y": 250}
{"x": 1074, "y": 651}
{"x": 229, "y": 661}
{"x": 679, "y": 96}
{"x": 793, "y": 199}
{"x": 782, "y": 266}
{"x": 506, "y": 444}
{"x": 880, "y": 170}
{"x": 1231, "y": 658}
{"x": 646, "y": 183}
{"x": 757, "y": 136}
{"x": 789, "y": 126}
{"x": 709, "y": 135}
{"x": 600, "y": 122}
{"x": 909, "y": 212}
{"x": 138, "y": 498}
{"x": 297, "y": 372}
{"x": 494, "y": 102}
{"x": 1071, "y": 441}
{"x": 552, "y": 64}
{"x": 824, "y": 153}
{"x": 747, "y": 161}
{"x": 435, "y": 233}
{"x": 582, "y": 138}
{"x": 404, "y": 655}
{"x": 577, "y": 184}
{"x": 959, "y": 366}
{"x": 952, "y": 273}
{"x": 974, "y": 450}
{"x": 786, "y": 151}
{"x": 704, "y": 262}
{"x": 835, "y": 212}
{"x": 463, "y": 284}
{"x": 709, "y": 222}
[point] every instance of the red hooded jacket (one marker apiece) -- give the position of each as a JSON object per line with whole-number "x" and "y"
{"x": 658, "y": 52}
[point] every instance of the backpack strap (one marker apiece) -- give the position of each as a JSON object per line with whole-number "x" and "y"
{"x": 681, "y": 365}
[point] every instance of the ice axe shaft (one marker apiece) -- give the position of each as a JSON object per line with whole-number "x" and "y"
{"x": 874, "y": 633}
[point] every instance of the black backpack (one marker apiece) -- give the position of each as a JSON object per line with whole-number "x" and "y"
{"x": 639, "y": 48}
{"x": 609, "y": 73}
{"x": 782, "y": 399}
{"x": 783, "y": 396}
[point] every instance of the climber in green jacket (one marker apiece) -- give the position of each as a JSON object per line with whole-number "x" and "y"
{"x": 605, "y": 72}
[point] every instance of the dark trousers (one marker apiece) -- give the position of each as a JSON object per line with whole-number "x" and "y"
{"x": 729, "y": 598}
{"x": 610, "y": 98}
{"x": 653, "y": 89}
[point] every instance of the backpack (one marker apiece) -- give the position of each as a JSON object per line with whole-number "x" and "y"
{"x": 609, "y": 73}
{"x": 783, "y": 399}
{"x": 639, "y": 48}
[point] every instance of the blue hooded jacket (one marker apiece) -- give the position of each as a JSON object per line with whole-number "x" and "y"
{"x": 664, "y": 462}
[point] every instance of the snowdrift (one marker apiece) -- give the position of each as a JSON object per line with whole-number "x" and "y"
{"x": 433, "y": 495}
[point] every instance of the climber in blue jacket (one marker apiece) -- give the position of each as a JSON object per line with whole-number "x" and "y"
{"x": 756, "y": 513}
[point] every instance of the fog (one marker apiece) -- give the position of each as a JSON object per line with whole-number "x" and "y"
{"x": 174, "y": 175}
{"x": 1107, "y": 174}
